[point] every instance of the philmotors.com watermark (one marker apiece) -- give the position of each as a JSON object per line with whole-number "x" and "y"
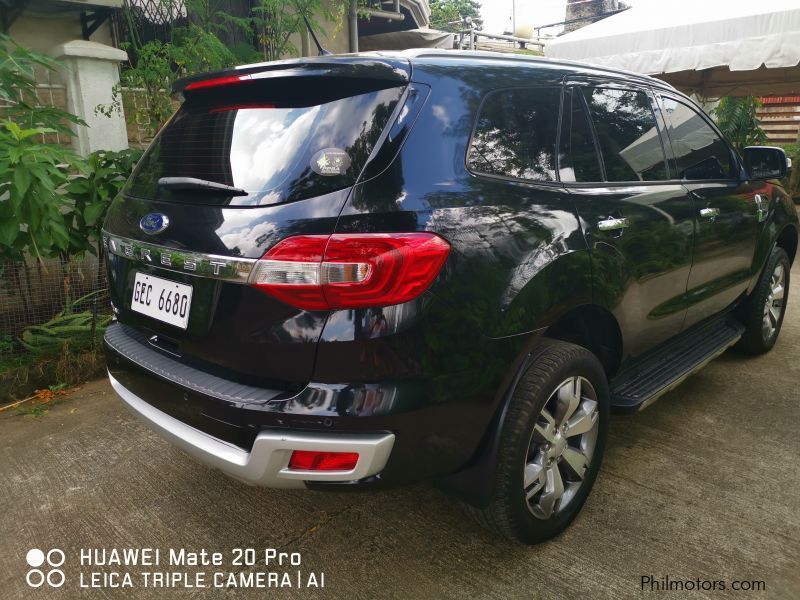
{"x": 666, "y": 583}
{"x": 49, "y": 573}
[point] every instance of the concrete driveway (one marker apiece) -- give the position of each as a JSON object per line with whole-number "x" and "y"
{"x": 705, "y": 484}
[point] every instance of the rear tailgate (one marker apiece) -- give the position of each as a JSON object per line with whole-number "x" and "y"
{"x": 291, "y": 139}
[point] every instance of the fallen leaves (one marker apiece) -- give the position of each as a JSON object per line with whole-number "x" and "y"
{"x": 42, "y": 399}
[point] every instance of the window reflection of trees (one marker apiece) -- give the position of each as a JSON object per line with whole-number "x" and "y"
{"x": 577, "y": 159}
{"x": 516, "y": 133}
{"x": 700, "y": 153}
{"x": 626, "y": 131}
{"x": 266, "y": 151}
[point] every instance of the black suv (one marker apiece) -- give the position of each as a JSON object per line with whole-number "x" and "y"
{"x": 354, "y": 271}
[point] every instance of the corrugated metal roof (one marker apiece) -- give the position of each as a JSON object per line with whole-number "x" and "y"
{"x": 780, "y": 100}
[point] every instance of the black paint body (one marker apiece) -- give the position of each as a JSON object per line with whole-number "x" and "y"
{"x": 525, "y": 255}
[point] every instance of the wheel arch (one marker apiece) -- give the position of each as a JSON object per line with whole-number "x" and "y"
{"x": 787, "y": 239}
{"x": 586, "y": 325}
{"x": 781, "y": 232}
{"x": 594, "y": 328}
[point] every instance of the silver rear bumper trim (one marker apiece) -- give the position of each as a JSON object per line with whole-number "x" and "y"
{"x": 267, "y": 463}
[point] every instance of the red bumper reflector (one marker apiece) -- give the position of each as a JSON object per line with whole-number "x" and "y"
{"x": 309, "y": 460}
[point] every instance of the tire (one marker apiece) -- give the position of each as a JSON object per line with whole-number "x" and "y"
{"x": 546, "y": 391}
{"x": 763, "y": 311}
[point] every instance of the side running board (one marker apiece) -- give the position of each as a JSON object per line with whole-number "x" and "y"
{"x": 665, "y": 367}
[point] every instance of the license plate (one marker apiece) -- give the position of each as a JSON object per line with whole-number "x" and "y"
{"x": 162, "y": 299}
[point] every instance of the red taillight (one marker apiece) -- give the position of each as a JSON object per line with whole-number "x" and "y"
{"x": 290, "y": 272}
{"x": 216, "y": 82}
{"x": 358, "y": 270}
{"x": 308, "y": 460}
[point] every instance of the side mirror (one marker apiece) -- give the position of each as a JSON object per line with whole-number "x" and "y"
{"x": 765, "y": 162}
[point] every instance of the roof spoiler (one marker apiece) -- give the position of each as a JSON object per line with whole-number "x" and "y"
{"x": 390, "y": 70}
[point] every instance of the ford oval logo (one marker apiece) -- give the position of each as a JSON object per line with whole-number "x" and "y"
{"x": 153, "y": 223}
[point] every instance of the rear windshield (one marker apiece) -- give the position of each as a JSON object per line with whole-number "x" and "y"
{"x": 276, "y": 146}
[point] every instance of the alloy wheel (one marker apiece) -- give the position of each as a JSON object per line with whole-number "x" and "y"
{"x": 561, "y": 447}
{"x": 773, "y": 306}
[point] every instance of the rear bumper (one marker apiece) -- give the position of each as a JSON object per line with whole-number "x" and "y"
{"x": 437, "y": 419}
{"x": 266, "y": 464}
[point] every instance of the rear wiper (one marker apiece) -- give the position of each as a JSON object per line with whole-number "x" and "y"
{"x": 203, "y": 185}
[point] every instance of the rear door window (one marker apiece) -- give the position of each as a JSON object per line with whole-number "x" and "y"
{"x": 277, "y": 146}
{"x": 578, "y": 160}
{"x": 515, "y": 134}
{"x": 626, "y": 130}
{"x": 700, "y": 154}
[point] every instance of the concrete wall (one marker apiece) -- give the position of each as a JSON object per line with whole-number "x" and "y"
{"x": 42, "y": 32}
{"x": 87, "y": 75}
{"x": 91, "y": 73}
{"x": 334, "y": 38}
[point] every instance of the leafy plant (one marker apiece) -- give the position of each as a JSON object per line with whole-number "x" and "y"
{"x": 448, "y": 11}
{"x": 273, "y": 25}
{"x": 32, "y": 171}
{"x": 92, "y": 190}
{"x": 76, "y": 329}
{"x": 6, "y": 346}
{"x": 18, "y": 90}
{"x": 153, "y": 74}
{"x": 91, "y": 193}
{"x": 195, "y": 44}
{"x": 195, "y": 50}
{"x": 793, "y": 180}
{"x": 159, "y": 64}
{"x": 32, "y": 176}
{"x": 736, "y": 117}
{"x": 52, "y": 202}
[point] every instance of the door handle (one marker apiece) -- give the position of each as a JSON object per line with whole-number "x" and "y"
{"x": 762, "y": 205}
{"x": 697, "y": 196}
{"x": 612, "y": 224}
{"x": 709, "y": 212}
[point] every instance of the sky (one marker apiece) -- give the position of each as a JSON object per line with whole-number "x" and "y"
{"x": 497, "y": 13}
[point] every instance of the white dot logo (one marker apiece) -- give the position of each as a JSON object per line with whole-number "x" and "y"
{"x": 35, "y": 557}
{"x": 54, "y": 576}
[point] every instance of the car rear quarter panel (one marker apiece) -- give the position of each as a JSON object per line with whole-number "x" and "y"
{"x": 518, "y": 261}
{"x": 518, "y": 255}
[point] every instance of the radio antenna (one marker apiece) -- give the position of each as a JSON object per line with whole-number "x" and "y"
{"x": 322, "y": 51}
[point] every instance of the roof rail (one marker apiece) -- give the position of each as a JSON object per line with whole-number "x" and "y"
{"x": 483, "y": 54}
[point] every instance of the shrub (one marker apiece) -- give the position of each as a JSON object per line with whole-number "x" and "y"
{"x": 52, "y": 205}
{"x": 736, "y": 118}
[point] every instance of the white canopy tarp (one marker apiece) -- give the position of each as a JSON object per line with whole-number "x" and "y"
{"x": 409, "y": 38}
{"x": 657, "y": 37}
